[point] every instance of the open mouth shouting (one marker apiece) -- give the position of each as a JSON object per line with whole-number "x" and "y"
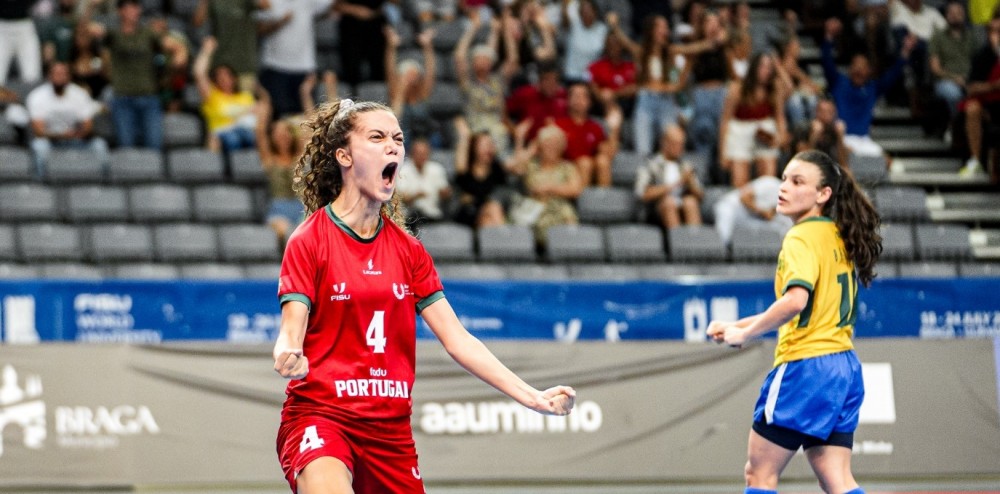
{"x": 389, "y": 175}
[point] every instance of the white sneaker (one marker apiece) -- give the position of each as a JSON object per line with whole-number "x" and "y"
{"x": 972, "y": 168}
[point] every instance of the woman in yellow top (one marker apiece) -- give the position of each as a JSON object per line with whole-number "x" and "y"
{"x": 812, "y": 397}
{"x": 228, "y": 111}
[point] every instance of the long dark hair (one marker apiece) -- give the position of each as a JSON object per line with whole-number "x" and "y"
{"x": 318, "y": 178}
{"x": 751, "y": 82}
{"x": 852, "y": 211}
{"x": 646, "y": 50}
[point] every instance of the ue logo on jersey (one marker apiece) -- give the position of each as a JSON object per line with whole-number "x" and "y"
{"x": 20, "y": 406}
{"x": 400, "y": 290}
{"x": 339, "y": 289}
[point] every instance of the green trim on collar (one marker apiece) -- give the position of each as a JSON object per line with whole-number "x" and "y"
{"x": 823, "y": 219}
{"x": 343, "y": 226}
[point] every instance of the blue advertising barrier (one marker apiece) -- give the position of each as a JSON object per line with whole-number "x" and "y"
{"x": 151, "y": 312}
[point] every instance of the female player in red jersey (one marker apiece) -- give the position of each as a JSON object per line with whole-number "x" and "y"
{"x": 352, "y": 282}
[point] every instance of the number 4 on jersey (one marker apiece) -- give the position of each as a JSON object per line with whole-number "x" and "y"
{"x": 375, "y": 337}
{"x": 311, "y": 440}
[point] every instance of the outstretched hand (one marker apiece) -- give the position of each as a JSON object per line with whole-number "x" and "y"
{"x": 291, "y": 364}
{"x": 728, "y": 333}
{"x": 557, "y": 400}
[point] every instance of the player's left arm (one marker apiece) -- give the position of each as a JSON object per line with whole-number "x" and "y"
{"x": 476, "y": 358}
{"x": 781, "y": 311}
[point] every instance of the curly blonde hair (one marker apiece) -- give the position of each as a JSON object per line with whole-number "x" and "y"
{"x": 318, "y": 178}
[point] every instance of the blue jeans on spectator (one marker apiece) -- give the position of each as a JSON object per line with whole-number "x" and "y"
{"x": 654, "y": 112}
{"x": 704, "y": 128}
{"x": 41, "y": 147}
{"x": 235, "y": 138}
{"x": 951, "y": 93}
{"x": 134, "y": 114}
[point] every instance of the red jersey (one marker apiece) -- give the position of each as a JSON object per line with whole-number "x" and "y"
{"x": 363, "y": 295}
{"x": 609, "y": 75}
{"x": 582, "y": 139}
{"x": 528, "y": 102}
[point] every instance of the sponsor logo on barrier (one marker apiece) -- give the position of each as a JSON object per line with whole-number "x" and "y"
{"x": 107, "y": 318}
{"x": 954, "y": 323}
{"x": 505, "y": 417}
{"x": 253, "y": 328}
{"x": 19, "y": 319}
{"x": 23, "y": 407}
{"x": 569, "y": 332}
{"x": 697, "y": 313}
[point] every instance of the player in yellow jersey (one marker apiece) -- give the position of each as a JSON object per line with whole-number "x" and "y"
{"x": 812, "y": 397}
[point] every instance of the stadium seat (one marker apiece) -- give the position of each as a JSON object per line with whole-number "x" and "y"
{"x": 604, "y": 272}
{"x": 372, "y": 91}
{"x": 740, "y": 271}
{"x": 670, "y": 271}
{"x": 625, "y": 166}
{"x": 10, "y": 271}
{"x": 212, "y": 271}
{"x": 606, "y": 205}
{"x": 248, "y": 242}
{"x": 8, "y": 134}
{"x": 899, "y": 203}
{"x": 634, "y": 243}
{"x": 574, "y": 243}
{"x": 868, "y": 170}
{"x": 471, "y": 271}
{"x": 116, "y": 242}
{"x": 506, "y": 243}
{"x": 446, "y": 35}
{"x": 71, "y": 165}
{"x": 144, "y": 271}
{"x": 444, "y": 101}
{"x": 263, "y": 271}
{"x": 223, "y": 203}
{"x": 701, "y": 162}
{"x": 943, "y": 242}
{"x": 695, "y": 243}
{"x": 537, "y": 272}
{"x": 712, "y": 195}
{"x": 928, "y": 269}
{"x": 979, "y": 269}
{"x": 15, "y": 164}
{"x": 185, "y": 242}
{"x": 8, "y": 243}
{"x": 246, "y": 167}
{"x": 755, "y": 244}
{"x": 50, "y": 242}
{"x": 182, "y": 130}
{"x": 132, "y": 165}
{"x": 897, "y": 242}
{"x": 159, "y": 203}
{"x": 28, "y": 202}
{"x": 448, "y": 241}
{"x": 71, "y": 271}
{"x": 85, "y": 203}
{"x": 195, "y": 166}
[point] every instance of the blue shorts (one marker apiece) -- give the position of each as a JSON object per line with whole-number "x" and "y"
{"x": 816, "y": 396}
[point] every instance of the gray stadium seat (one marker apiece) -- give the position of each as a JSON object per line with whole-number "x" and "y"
{"x": 934, "y": 269}
{"x": 868, "y": 170}
{"x": 159, "y": 203}
{"x": 471, "y": 271}
{"x": 740, "y": 271}
{"x": 8, "y": 243}
{"x": 372, "y": 91}
{"x": 182, "y": 130}
{"x": 144, "y": 271}
{"x": 606, "y": 205}
{"x": 96, "y": 203}
{"x": 448, "y": 241}
{"x": 67, "y": 165}
{"x": 28, "y": 202}
{"x": 695, "y": 243}
{"x": 701, "y": 162}
{"x": 538, "y": 272}
{"x": 980, "y": 269}
{"x": 50, "y": 242}
{"x": 899, "y": 203}
{"x": 246, "y": 167}
{"x": 897, "y": 242}
{"x": 71, "y": 271}
{"x": 248, "y": 242}
{"x": 447, "y": 34}
{"x": 712, "y": 195}
{"x": 185, "y": 242}
{"x": 574, "y": 243}
{"x": 15, "y": 164}
{"x": 8, "y": 134}
{"x": 263, "y": 271}
{"x": 116, "y": 242}
{"x": 132, "y": 165}
{"x": 212, "y": 271}
{"x": 604, "y": 272}
{"x": 506, "y": 243}
{"x": 755, "y": 244}
{"x": 223, "y": 203}
{"x": 10, "y": 271}
{"x": 943, "y": 242}
{"x": 634, "y": 243}
{"x": 195, "y": 166}
{"x": 444, "y": 101}
{"x": 625, "y": 166}
{"x": 670, "y": 272}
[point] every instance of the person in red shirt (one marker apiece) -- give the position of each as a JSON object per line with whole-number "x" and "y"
{"x": 542, "y": 103}
{"x": 586, "y": 145}
{"x": 352, "y": 282}
{"x": 612, "y": 77}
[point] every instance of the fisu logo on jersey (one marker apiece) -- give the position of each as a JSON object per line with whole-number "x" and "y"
{"x": 340, "y": 294}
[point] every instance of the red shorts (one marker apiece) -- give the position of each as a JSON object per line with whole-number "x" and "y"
{"x": 381, "y": 455}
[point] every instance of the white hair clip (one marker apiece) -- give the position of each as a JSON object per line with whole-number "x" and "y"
{"x": 345, "y": 104}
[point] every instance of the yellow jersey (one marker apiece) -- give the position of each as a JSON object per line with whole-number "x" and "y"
{"x": 813, "y": 256}
{"x": 223, "y": 110}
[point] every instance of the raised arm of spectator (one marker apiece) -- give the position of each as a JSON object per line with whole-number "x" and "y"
{"x": 889, "y": 78}
{"x": 269, "y": 26}
{"x": 512, "y": 57}
{"x": 200, "y": 14}
{"x": 463, "y": 140}
{"x": 517, "y": 164}
{"x": 176, "y": 49}
{"x": 306, "y": 93}
{"x": 392, "y": 80}
{"x": 461, "y": 54}
{"x": 426, "y": 42}
{"x": 702, "y": 45}
{"x": 614, "y": 24}
{"x": 547, "y": 50}
{"x": 728, "y": 109}
{"x": 262, "y": 110}
{"x": 830, "y": 72}
{"x": 201, "y": 66}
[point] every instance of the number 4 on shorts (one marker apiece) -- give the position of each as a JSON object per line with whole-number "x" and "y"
{"x": 311, "y": 440}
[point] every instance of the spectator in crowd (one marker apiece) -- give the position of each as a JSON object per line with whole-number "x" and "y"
{"x": 233, "y": 23}
{"x": 410, "y": 86}
{"x": 62, "y": 117}
{"x": 951, "y": 51}
{"x": 423, "y": 184}
{"x": 587, "y": 146}
{"x": 482, "y": 86}
{"x": 710, "y": 73}
{"x": 551, "y": 182}
{"x": 534, "y": 38}
{"x": 19, "y": 40}
{"x": 362, "y": 52}
{"x": 584, "y": 34}
{"x": 740, "y": 44}
{"x": 912, "y": 17}
{"x": 690, "y": 23}
{"x": 279, "y": 148}
{"x": 89, "y": 68}
{"x": 480, "y": 178}
{"x": 131, "y": 50}
{"x": 856, "y": 92}
{"x": 752, "y": 127}
{"x": 669, "y": 187}
{"x": 825, "y": 133}
{"x": 173, "y": 78}
{"x": 799, "y": 86}
{"x": 983, "y": 104}
{"x": 539, "y": 104}
{"x": 753, "y": 206}
{"x": 56, "y": 32}
{"x": 613, "y": 76}
{"x": 288, "y": 50}
{"x": 429, "y": 11}
{"x": 228, "y": 111}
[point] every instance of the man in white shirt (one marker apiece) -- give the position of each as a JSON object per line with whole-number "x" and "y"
{"x": 423, "y": 183}
{"x": 669, "y": 187}
{"x": 913, "y": 17}
{"x": 288, "y": 50}
{"x": 62, "y": 115}
{"x": 752, "y": 206}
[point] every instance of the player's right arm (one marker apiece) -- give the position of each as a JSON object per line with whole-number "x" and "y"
{"x": 289, "y": 361}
